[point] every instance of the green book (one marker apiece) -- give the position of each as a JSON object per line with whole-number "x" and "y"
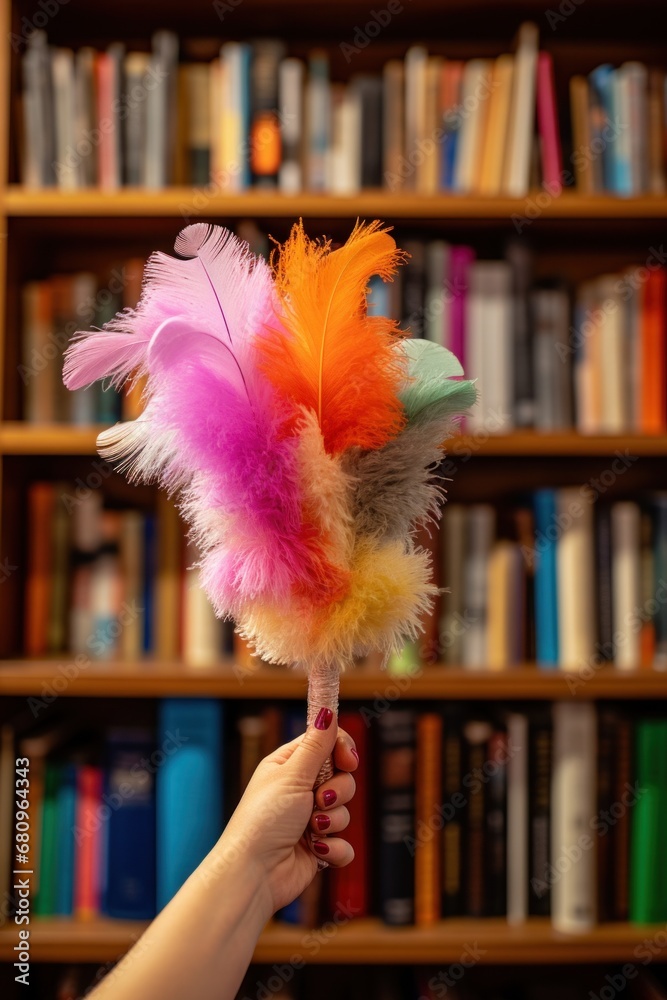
{"x": 648, "y": 860}
{"x": 45, "y": 903}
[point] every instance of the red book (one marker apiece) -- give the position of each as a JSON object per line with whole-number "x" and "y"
{"x": 653, "y": 346}
{"x": 547, "y": 122}
{"x": 88, "y": 842}
{"x": 39, "y": 578}
{"x": 350, "y": 886}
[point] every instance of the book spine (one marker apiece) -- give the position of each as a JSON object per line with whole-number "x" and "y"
{"x": 397, "y": 815}
{"x": 546, "y": 580}
{"x": 626, "y": 578}
{"x": 573, "y": 796}
{"x": 452, "y": 832}
{"x": 539, "y": 769}
{"x": 428, "y": 791}
{"x": 517, "y": 818}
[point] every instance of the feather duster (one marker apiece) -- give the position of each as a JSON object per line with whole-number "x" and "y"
{"x": 301, "y": 435}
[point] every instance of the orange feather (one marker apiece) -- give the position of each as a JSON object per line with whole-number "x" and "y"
{"x": 331, "y": 357}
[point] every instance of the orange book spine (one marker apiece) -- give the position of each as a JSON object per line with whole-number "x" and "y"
{"x": 428, "y": 840}
{"x": 653, "y": 353}
{"x": 39, "y": 580}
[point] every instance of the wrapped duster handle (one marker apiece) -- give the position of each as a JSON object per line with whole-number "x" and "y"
{"x": 323, "y": 688}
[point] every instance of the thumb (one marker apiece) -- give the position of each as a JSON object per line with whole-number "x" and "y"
{"x": 315, "y": 746}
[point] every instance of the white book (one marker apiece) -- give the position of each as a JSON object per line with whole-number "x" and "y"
{"x": 202, "y": 631}
{"x": 573, "y": 807}
{"x": 344, "y": 160}
{"x": 479, "y": 539}
{"x": 626, "y": 583}
{"x": 475, "y": 88}
{"x": 105, "y": 600}
{"x": 290, "y": 99}
{"x": 66, "y": 167}
{"x": 574, "y": 570}
{"x": 516, "y": 168}
{"x": 490, "y": 346}
{"x": 517, "y": 818}
{"x": 438, "y": 296}
{"x": 614, "y": 361}
{"x": 634, "y": 369}
{"x": 635, "y": 78}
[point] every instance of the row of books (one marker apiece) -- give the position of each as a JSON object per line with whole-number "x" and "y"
{"x": 116, "y": 828}
{"x": 53, "y": 310}
{"x": 547, "y": 356}
{"x": 560, "y": 579}
{"x": 551, "y": 812}
{"x": 555, "y": 578}
{"x": 252, "y": 115}
{"x": 544, "y": 356}
{"x": 112, "y": 583}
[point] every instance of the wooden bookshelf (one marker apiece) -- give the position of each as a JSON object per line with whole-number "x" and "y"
{"x": 360, "y": 942}
{"x": 150, "y": 679}
{"x": 192, "y": 202}
{"x": 19, "y": 438}
{"x": 23, "y": 213}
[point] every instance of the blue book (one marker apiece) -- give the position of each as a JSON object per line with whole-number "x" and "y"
{"x": 66, "y": 821}
{"x": 294, "y": 724}
{"x": 189, "y": 788}
{"x": 129, "y": 873}
{"x": 546, "y": 591}
{"x": 603, "y": 140}
{"x": 448, "y": 159}
{"x": 150, "y": 569}
{"x": 379, "y": 299}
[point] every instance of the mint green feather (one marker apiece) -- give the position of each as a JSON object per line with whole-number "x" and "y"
{"x": 432, "y": 392}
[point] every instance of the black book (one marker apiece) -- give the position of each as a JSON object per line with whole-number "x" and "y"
{"x": 398, "y": 740}
{"x": 496, "y": 825}
{"x": 453, "y": 815}
{"x": 369, "y": 89}
{"x": 476, "y": 736}
{"x": 539, "y": 839}
{"x": 414, "y": 287}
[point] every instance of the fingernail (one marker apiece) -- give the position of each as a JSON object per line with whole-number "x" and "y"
{"x": 355, "y": 754}
{"x": 324, "y": 717}
{"x": 322, "y": 823}
{"x": 320, "y": 847}
{"x": 329, "y": 797}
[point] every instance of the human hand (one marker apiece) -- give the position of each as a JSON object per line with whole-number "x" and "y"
{"x": 281, "y": 827}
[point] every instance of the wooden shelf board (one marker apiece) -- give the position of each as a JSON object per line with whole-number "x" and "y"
{"x": 19, "y": 438}
{"x": 357, "y": 942}
{"x": 188, "y": 203}
{"x": 150, "y": 679}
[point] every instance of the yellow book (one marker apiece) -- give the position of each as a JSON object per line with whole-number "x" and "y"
{"x": 495, "y": 136}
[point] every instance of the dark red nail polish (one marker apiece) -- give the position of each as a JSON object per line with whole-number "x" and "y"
{"x": 322, "y": 823}
{"x": 324, "y": 717}
{"x": 355, "y": 754}
{"x": 320, "y": 847}
{"x": 329, "y": 797}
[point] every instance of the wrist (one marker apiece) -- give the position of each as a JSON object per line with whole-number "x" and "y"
{"x": 232, "y": 867}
